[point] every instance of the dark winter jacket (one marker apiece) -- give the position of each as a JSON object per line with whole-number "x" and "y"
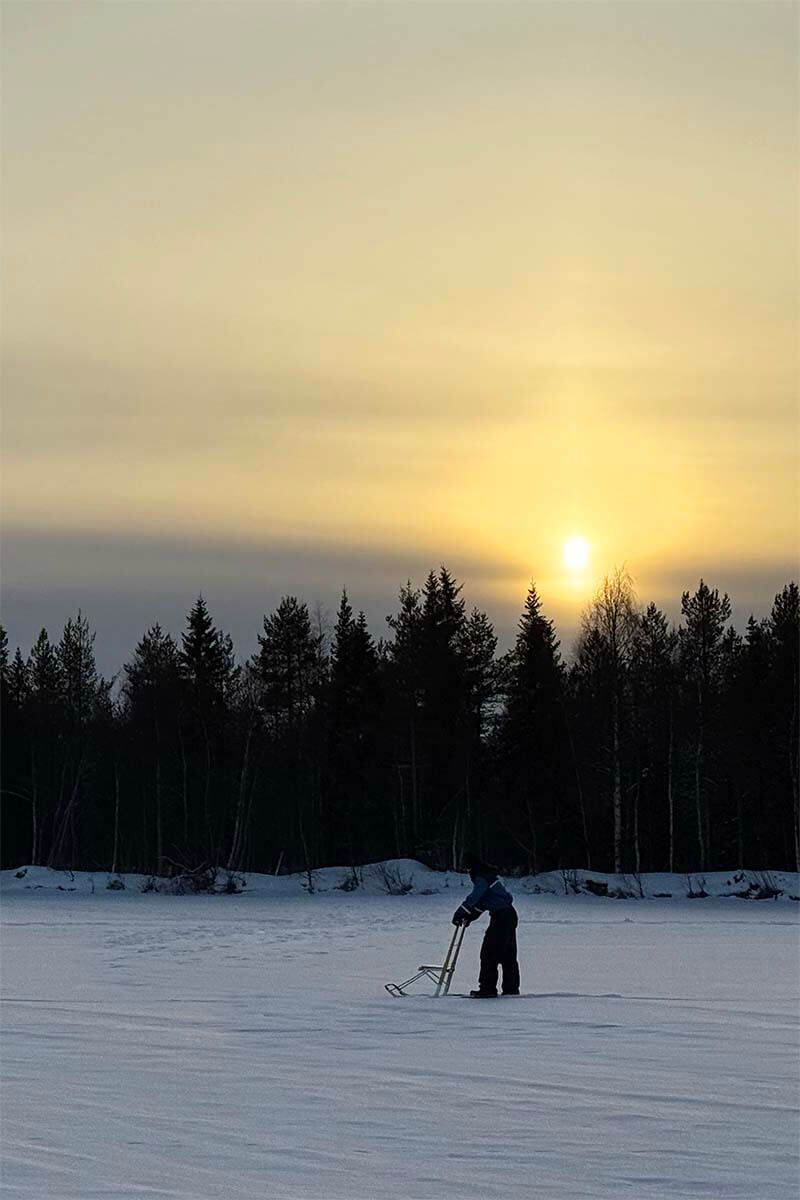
{"x": 487, "y": 895}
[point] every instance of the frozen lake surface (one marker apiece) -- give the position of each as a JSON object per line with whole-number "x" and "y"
{"x": 243, "y": 1046}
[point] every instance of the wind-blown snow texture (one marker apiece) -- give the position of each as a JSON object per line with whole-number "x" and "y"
{"x": 197, "y": 1047}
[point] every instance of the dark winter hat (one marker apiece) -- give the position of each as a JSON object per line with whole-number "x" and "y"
{"x": 475, "y": 865}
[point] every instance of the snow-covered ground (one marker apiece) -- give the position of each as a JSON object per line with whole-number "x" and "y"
{"x": 243, "y": 1046}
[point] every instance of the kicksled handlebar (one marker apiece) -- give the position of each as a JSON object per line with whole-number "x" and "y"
{"x": 441, "y": 976}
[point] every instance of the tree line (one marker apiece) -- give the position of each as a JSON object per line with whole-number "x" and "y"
{"x": 655, "y": 748}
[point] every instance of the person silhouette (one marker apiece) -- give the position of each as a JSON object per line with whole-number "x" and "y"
{"x": 499, "y": 946}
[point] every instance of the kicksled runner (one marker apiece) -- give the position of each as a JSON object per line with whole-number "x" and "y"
{"x": 442, "y": 976}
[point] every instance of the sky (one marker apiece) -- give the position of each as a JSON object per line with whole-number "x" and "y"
{"x": 304, "y": 296}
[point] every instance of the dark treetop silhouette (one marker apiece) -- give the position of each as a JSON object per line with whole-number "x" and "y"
{"x": 655, "y": 749}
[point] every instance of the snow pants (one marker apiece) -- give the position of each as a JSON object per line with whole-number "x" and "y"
{"x": 499, "y": 949}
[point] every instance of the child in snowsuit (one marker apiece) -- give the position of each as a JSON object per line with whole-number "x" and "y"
{"x": 499, "y": 948}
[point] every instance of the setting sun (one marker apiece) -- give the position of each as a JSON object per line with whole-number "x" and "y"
{"x": 576, "y": 553}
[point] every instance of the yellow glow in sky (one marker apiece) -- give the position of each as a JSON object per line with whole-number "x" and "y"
{"x": 436, "y": 279}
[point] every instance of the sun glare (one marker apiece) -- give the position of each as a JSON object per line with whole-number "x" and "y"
{"x": 576, "y": 553}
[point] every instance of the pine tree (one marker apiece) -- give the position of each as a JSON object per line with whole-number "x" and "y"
{"x": 45, "y": 728}
{"x": 290, "y": 669}
{"x": 288, "y": 661}
{"x": 46, "y": 732}
{"x": 80, "y": 680}
{"x": 607, "y": 640}
{"x": 654, "y": 702}
{"x": 17, "y": 681}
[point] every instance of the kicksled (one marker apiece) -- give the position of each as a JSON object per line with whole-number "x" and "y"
{"x": 442, "y": 976}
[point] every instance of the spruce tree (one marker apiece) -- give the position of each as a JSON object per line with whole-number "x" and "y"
{"x": 203, "y": 659}
{"x": 478, "y": 651}
{"x": 405, "y": 661}
{"x": 83, "y": 692}
{"x": 17, "y": 797}
{"x": 208, "y": 673}
{"x": 353, "y": 712}
{"x": 152, "y": 697}
{"x": 784, "y": 623}
{"x": 534, "y": 738}
{"x": 444, "y": 716}
{"x": 480, "y": 685}
{"x": 706, "y": 615}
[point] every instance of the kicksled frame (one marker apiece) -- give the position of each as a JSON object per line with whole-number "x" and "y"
{"x": 442, "y": 976}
